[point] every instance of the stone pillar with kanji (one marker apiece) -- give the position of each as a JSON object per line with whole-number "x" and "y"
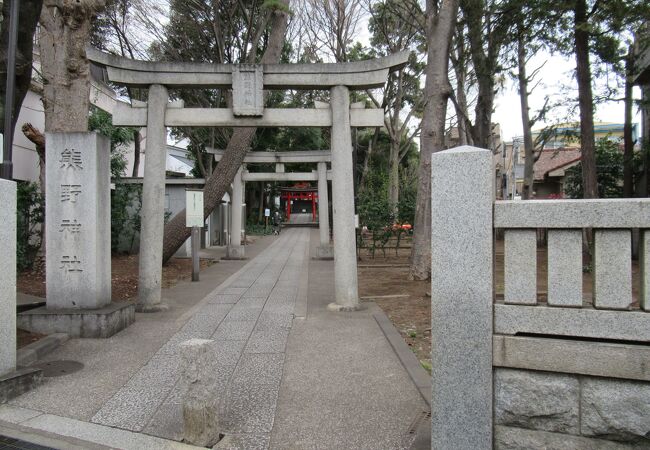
{"x": 77, "y": 221}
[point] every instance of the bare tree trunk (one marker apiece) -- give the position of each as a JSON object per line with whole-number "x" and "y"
{"x": 366, "y": 161}
{"x": 645, "y": 126}
{"x": 260, "y": 215}
{"x": 461, "y": 111}
{"x": 483, "y": 110}
{"x": 395, "y": 134}
{"x": 460, "y": 70}
{"x": 585, "y": 100}
{"x": 29, "y": 13}
{"x": 215, "y": 187}
{"x": 393, "y": 175}
{"x": 628, "y": 144}
{"x": 38, "y": 139}
{"x": 137, "y": 141}
{"x": 441, "y": 18}
{"x": 473, "y": 11}
{"x": 525, "y": 119}
{"x": 64, "y": 33}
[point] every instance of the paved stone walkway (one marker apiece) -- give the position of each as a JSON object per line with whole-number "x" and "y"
{"x": 293, "y": 375}
{"x": 249, "y": 320}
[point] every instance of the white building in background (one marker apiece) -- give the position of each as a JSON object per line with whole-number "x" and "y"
{"x": 26, "y": 165}
{"x": 25, "y": 158}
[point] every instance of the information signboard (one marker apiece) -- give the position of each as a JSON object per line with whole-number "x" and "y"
{"x": 194, "y": 208}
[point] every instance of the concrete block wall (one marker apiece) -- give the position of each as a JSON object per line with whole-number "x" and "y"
{"x": 560, "y": 410}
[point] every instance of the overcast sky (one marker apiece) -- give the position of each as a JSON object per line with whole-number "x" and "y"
{"x": 556, "y": 72}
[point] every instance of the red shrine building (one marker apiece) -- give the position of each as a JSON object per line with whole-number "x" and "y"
{"x": 301, "y": 198}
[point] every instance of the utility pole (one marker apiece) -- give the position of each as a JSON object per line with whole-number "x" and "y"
{"x": 8, "y": 138}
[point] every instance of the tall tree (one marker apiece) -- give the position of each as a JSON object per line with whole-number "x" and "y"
{"x": 215, "y": 187}
{"x": 487, "y": 24}
{"x": 596, "y": 40}
{"x": 440, "y": 21}
{"x": 530, "y": 33}
{"x": 64, "y": 34}
{"x": 118, "y": 29}
{"x": 585, "y": 98}
{"x": 331, "y": 25}
{"x": 392, "y": 31}
{"x": 459, "y": 57}
{"x": 628, "y": 143}
{"x": 27, "y": 21}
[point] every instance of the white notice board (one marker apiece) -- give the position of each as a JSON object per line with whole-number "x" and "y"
{"x": 194, "y": 208}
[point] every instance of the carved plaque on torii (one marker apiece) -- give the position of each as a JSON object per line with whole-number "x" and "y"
{"x": 247, "y": 90}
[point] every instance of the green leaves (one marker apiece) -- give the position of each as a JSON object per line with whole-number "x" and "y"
{"x": 609, "y": 171}
{"x": 102, "y": 122}
{"x": 30, "y": 214}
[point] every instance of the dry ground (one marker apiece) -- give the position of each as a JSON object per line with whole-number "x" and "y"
{"x": 124, "y": 270}
{"x": 411, "y": 315}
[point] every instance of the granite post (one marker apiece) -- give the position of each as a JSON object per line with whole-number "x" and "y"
{"x": 201, "y": 421}
{"x": 461, "y": 298}
{"x": 644, "y": 258}
{"x": 324, "y": 249}
{"x": 612, "y": 269}
{"x": 8, "y": 277}
{"x": 153, "y": 203}
{"x": 235, "y": 250}
{"x": 77, "y": 221}
{"x": 346, "y": 291}
{"x": 565, "y": 267}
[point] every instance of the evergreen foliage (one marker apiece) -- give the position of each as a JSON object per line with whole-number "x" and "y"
{"x": 30, "y": 213}
{"x": 609, "y": 172}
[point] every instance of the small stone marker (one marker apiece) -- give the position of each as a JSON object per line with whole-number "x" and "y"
{"x": 201, "y": 403}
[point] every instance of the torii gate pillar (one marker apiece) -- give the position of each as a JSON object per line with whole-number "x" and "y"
{"x": 346, "y": 292}
{"x": 324, "y": 250}
{"x": 235, "y": 250}
{"x": 153, "y": 203}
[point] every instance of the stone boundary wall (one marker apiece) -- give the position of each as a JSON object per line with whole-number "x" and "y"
{"x": 522, "y": 371}
{"x": 607, "y": 411}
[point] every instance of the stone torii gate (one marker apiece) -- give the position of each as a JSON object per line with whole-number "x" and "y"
{"x": 247, "y": 82}
{"x": 319, "y": 157}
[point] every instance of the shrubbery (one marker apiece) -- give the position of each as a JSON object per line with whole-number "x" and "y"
{"x": 609, "y": 172}
{"x": 30, "y": 213}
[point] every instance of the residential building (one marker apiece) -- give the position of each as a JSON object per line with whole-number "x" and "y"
{"x": 568, "y": 134}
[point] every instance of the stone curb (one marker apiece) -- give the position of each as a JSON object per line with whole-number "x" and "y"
{"x": 418, "y": 375}
{"x": 46, "y": 439}
{"x": 37, "y": 350}
{"x": 66, "y": 433}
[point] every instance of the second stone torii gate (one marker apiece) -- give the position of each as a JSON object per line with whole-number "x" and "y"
{"x": 320, "y": 157}
{"x": 247, "y": 82}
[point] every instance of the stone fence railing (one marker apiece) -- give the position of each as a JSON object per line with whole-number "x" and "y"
{"x": 568, "y": 370}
